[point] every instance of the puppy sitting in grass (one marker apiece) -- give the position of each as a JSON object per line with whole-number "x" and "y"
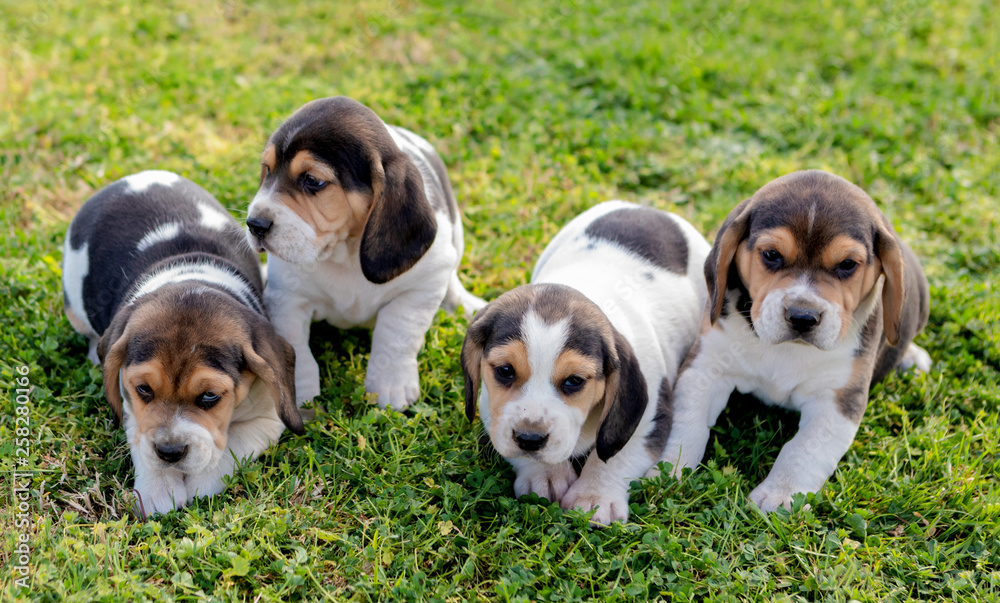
{"x": 580, "y": 364}
{"x": 157, "y": 275}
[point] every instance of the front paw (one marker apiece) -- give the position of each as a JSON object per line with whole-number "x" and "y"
{"x": 771, "y": 494}
{"x": 547, "y": 481}
{"x": 160, "y": 494}
{"x": 397, "y": 385}
{"x": 306, "y": 378}
{"x": 611, "y": 504}
{"x": 203, "y": 484}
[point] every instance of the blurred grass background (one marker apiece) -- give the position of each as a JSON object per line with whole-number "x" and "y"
{"x": 539, "y": 110}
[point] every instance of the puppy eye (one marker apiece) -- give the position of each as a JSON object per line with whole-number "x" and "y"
{"x": 145, "y": 392}
{"x": 772, "y": 259}
{"x": 846, "y": 268}
{"x": 573, "y": 384}
{"x": 312, "y": 184}
{"x": 264, "y": 171}
{"x": 505, "y": 374}
{"x": 207, "y": 400}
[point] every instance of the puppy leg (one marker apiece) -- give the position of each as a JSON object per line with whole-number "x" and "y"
{"x": 699, "y": 397}
{"x": 399, "y": 332}
{"x": 604, "y": 485}
{"x": 547, "y": 481}
{"x": 292, "y": 321}
{"x": 916, "y": 358}
{"x": 810, "y": 458}
{"x": 458, "y": 296}
{"x": 246, "y": 441}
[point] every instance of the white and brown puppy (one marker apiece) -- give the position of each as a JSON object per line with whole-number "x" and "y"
{"x": 362, "y": 228}
{"x": 813, "y": 299}
{"x": 159, "y": 277}
{"x": 580, "y": 364}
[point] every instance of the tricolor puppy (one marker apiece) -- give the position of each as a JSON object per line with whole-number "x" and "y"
{"x": 159, "y": 277}
{"x": 580, "y": 364}
{"x": 813, "y": 299}
{"x": 362, "y": 228}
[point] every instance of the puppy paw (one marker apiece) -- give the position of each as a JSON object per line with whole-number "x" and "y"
{"x": 306, "y": 378}
{"x": 771, "y": 494}
{"x": 203, "y": 484}
{"x": 915, "y": 358}
{"x": 397, "y": 386}
{"x": 160, "y": 494}
{"x": 611, "y": 504}
{"x": 547, "y": 481}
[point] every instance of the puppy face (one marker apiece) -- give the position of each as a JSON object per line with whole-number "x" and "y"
{"x": 179, "y": 361}
{"x": 806, "y": 252}
{"x": 333, "y": 183}
{"x": 551, "y": 361}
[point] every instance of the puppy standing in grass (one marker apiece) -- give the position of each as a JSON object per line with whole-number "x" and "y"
{"x": 813, "y": 299}
{"x": 361, "y": 227}
{"x": 580, "y": 364}
{"x": 157, "y": 275}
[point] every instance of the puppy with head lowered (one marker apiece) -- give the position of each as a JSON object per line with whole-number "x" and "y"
{"x": 362, "y": 228}
{"x": 159, "y": 277}
{"x": 580, "y": 364}
{"x": 813, "y": 299}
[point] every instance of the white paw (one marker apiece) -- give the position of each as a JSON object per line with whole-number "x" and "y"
{"x": 397, "y": 385}
{"x": 160, "y": 493}
{"x": 306, "y": 378}
{"x": 771, "y": 494}
{"x": 611, "y": 503}
{"x": 547, "y": 481}
{"x": 915, "y": 357}
{"x": 203, "y": 484}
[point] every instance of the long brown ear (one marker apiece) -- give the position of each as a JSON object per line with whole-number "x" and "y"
{"x": 894, "y": 288}
{"x": 472, "y": 357}
{"x": 625, "y": 398}
{"x": 401, "y": 225}
{"x": 272, "y": 359}
{"x": 733, "y": 231}
{"x": 112, "y": 351}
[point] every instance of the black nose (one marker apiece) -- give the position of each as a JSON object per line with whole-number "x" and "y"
{"x": 531, "y": 441}
{"x": 802, "y": 319}
{"x": 259, "y": 226}
{"x": 171, "y": 453}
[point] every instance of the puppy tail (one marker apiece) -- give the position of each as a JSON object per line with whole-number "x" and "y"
{"x": 458, "y": 296}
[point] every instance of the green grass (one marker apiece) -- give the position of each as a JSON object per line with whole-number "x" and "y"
{"x": 539, "y": 112}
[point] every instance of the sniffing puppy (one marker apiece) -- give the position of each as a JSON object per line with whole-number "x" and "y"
{"x": 361, "y": 227}
{"x": 813, "y": 299}
{"x": 581, "y": 362}
{"x": 159, "y": 277}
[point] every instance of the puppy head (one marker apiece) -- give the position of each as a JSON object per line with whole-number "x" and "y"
{"x": 551, "y": 362}
{"x": 179, "y": 361}
{"x": 332, "y": 183}
{"x": 807, "y": 251}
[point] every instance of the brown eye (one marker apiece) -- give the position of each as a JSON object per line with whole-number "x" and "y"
{"x": 505, "y": 374}
{"x": 207, "y": 400}
{"x": 312, "y": 184}
{"x": 772, "y": 259}
{"x": 846, "y": 268}
{"x": 572, "y": 384}
{"x": 264, "y": 171}
{"x": 145, "y": 392}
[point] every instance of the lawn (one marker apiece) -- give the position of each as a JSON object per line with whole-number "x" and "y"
{"x": 539, "y": 110}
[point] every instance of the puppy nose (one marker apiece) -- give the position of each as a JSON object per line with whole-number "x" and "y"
{"x": 802, "y": 319}
{"x": 529, "y": 441}
{"x": 171, "y": 453}
{"x": 259, "y": 226}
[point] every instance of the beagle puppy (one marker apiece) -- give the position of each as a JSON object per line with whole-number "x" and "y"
{"x": 813, "y": 299}
{"x": 158, "y": 276}
{"x": 362, "y": 229}
{"x": 580, "y": 364}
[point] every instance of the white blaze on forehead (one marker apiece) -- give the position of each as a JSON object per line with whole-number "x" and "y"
{"x": 213, "y": 218}
{"x": 163, "y": 232}
{"x": 544, "y": 343}
{"x": 138, "y": 183}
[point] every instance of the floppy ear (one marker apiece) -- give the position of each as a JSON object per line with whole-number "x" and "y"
{"x": 111, "y": 351}
{"x": 625, "y": 399}
{"x": 401, "y": 224}
{"x": 894, "y": 288}
{"x": 272, "y": 359}
{"x": 472, "y": 357}
{"x": 733, "y": 231}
